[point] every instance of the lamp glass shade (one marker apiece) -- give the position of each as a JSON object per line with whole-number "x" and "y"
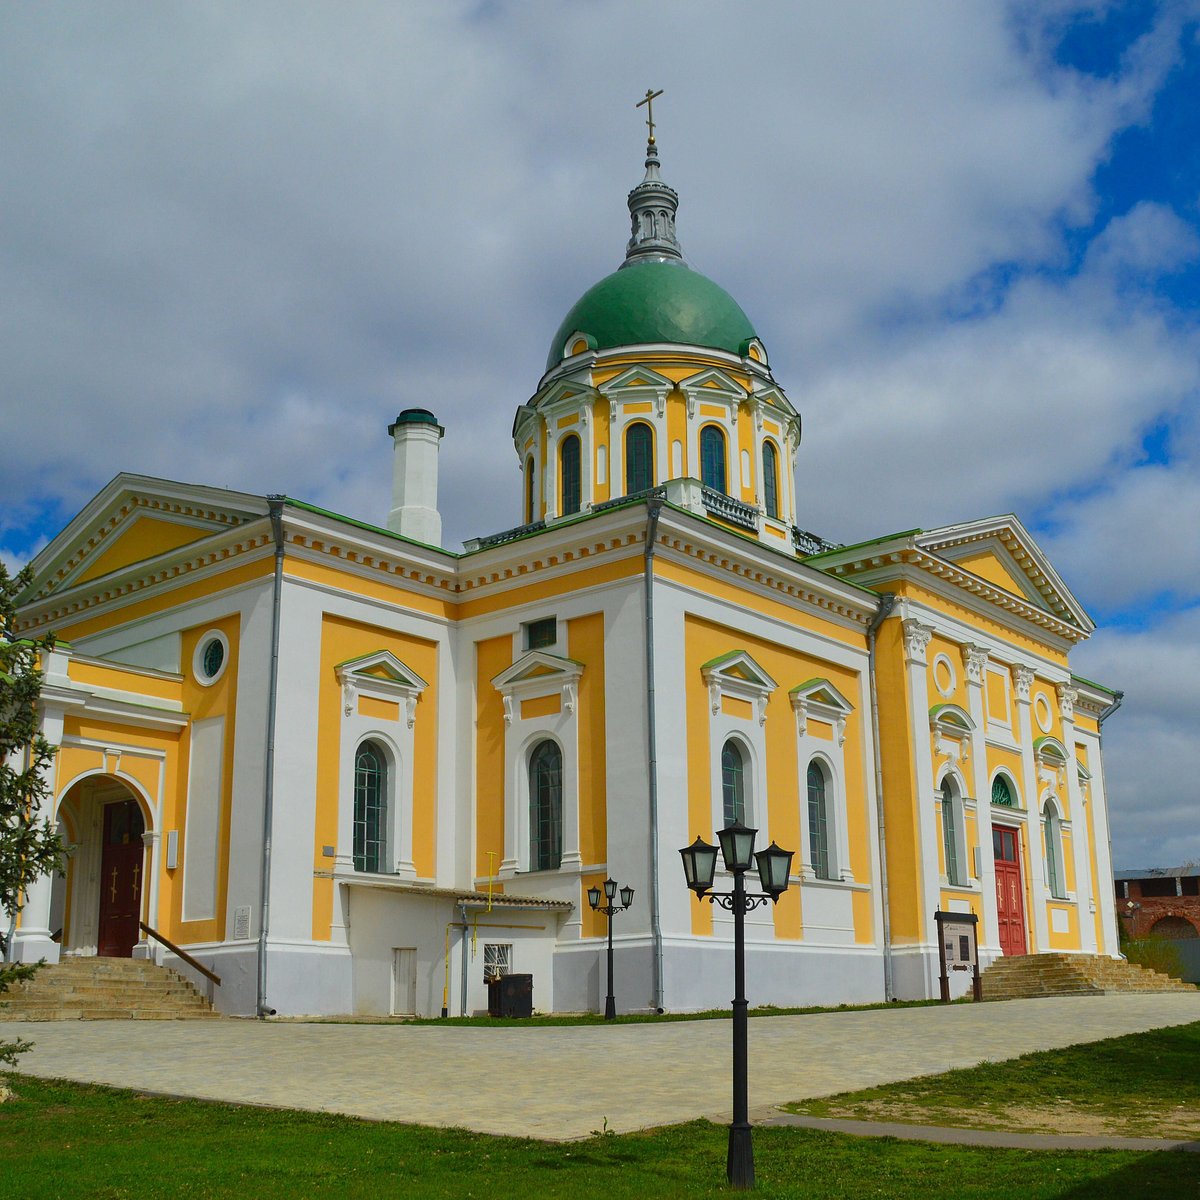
{"x": 626, "y": 897}
{"x": 774, "y": 870}
{"x": 594, "y": 897}
{"x": 737, "y": 846}
{"x": 610, "y": 888}
{"x": 699, "y": 865}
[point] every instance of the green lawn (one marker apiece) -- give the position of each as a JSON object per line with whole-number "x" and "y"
{"x": 64, "y": 1140}
{"x": 1144, "y": 1085}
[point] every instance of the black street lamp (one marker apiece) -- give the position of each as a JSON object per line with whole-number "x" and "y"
{"x": 774, "y": 871}
{"x": 609, "y": 908}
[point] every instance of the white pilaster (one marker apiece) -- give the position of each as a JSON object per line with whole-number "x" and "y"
{"x": 1022, "y": 681}
{"x": 975, "y": 660}
{"x": 1079, "y": 824}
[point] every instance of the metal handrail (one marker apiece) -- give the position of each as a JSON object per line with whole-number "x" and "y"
{"x": 174, "y": 949}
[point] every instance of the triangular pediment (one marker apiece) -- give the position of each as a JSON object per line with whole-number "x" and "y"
{"x": 136, "y": 519}
{"x": 380, "y": 666}
{"x": 1002, "y": 552}
{"x": 537, "y": 665}
{"x": 822, "y": 693}
{"x": 637, "y": 380}
{"x": 714, "y": 382}
{"x": 738, "y": 667}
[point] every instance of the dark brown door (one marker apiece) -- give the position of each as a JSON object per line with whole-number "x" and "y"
{"x": 120, "y": 879}
{"x": 1010, "y": 904}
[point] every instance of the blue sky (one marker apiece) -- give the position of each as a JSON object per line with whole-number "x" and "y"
{"x": 237, "y": 238}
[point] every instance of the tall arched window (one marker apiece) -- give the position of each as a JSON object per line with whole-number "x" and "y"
{"x": 370, "y": 808}
{"x": 733, "y": 783}
{"x": 530, "y": 497}
{"x": 951, "y": 834}
{"x": 569, "y": 460}
{"x": 712, "y": 458}
{"x": 770, "y": 470}
{"x": 545, "y": 807}
{"x": 1052, "y": 833}
{"x": 818, "y": 822}
{"x": 639, "y": 464}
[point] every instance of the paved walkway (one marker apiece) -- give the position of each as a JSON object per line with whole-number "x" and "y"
{"x": 561, "y": 1082}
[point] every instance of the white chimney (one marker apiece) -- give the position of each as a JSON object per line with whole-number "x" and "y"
{"x": 414, "y": 514}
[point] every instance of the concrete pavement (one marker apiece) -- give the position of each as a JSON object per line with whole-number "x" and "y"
{"x": 562, "y": 1082}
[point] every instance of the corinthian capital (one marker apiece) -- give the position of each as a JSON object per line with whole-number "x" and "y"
{"x": 916, "y": 640}
{"x": 1066, "y": 701}
{"x": 975, "y": 659}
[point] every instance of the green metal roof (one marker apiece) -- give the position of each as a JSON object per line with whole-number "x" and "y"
{"x": 647, "y": 302}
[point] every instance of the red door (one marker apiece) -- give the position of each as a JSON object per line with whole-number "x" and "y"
{"x": 120, "y": 879}
{"x": 1010, "y": 905}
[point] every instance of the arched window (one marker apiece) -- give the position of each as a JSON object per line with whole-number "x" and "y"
{"x": 545, "y": 807}
{"x": 951, "y": 834}
{"x": 370, "y": 808}
{"x": 1052, "y": 840}
{"x": 530, "y": 497}
{"x": 733, "y": 783}
{"x": 818, "y": 822}
{"x": 639, "y": 465}
{"x": 770, "y": 470}
{"x": 1002, "y": 793}
{"x": 712, "y": 458}
{"x": 569, "y": 460}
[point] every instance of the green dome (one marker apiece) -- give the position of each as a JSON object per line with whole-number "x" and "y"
{"x": 655, "y": 301}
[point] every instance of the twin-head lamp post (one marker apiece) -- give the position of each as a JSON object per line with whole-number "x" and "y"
{"x": 774, "y": 873}
{"x": 610, "y": 908}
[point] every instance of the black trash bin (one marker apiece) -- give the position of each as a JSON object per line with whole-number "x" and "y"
{"x": 510, "y": 996}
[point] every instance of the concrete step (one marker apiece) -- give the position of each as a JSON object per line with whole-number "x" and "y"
{"x": 104, "y": 989}
{"x": 1056, "y": 974}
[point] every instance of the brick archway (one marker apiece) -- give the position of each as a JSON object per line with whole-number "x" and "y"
{"x": 1175, "y": 926}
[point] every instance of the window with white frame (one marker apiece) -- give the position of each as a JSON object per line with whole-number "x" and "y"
{"x": 733, "y": 783}
{"x": 822, "y": 713}
{"x": 818, "y": 822}
{"x": 953, "y": 842}
{"x": 545, "y": 807}
{"x": 370, "y": 808}
{"x": 1052, "y": 840}
{"x": 497, "y": 959}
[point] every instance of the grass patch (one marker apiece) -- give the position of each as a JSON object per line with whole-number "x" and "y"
{"x": 67, "y": 1140}
{"x": 1143, "y": 1085}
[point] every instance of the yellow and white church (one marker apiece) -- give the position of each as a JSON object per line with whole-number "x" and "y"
{"x": 352, "y": 771}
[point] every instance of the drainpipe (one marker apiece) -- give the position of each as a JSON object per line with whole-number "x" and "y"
{"x": 1108, "y": 712}
{"x": 887, "y": 601}
{"x": 275, "y": 504}
{"x": 653, "y": 508}
{"x": 462, "y": 1006}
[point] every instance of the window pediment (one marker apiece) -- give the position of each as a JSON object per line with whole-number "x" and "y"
{"x": 537, "y": 673}
{"x": 382, "y": 676}
{"x": 951, "y": 727}
{"x": 819, "y": 700}
{"x": 737, "y": 674}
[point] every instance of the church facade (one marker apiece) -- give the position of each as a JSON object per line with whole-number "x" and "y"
{"x": 351, "y": 771}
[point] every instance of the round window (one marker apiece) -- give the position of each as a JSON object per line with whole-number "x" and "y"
{"x": 211, "y": 657}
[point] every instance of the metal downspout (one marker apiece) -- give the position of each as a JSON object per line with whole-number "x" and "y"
{"x": 276, "y": 514}
{"x": 887, "y": 602}
{"x": 653, "y": 508}
{"x": 1108, "y": 712}
{"x": 462, "y": 1004}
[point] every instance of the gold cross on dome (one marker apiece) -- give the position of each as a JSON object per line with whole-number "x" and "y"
{"x": 650, "y": 97}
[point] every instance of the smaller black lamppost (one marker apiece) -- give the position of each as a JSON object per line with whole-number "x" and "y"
{"x": 774, "y": 873}
{"x": 609, "y": 908}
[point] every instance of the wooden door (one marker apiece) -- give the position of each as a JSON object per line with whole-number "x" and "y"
{"x": 1010, "y": 890}
{"x": 120, "y": 879}
{"x": 404, "y": 982}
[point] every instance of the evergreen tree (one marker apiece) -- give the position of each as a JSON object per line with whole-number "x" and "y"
{"x": 29, "y": 846}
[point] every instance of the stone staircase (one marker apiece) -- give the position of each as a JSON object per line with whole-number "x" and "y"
{"x": 1029, "y": 975}
{"x": 104, "y": 989}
